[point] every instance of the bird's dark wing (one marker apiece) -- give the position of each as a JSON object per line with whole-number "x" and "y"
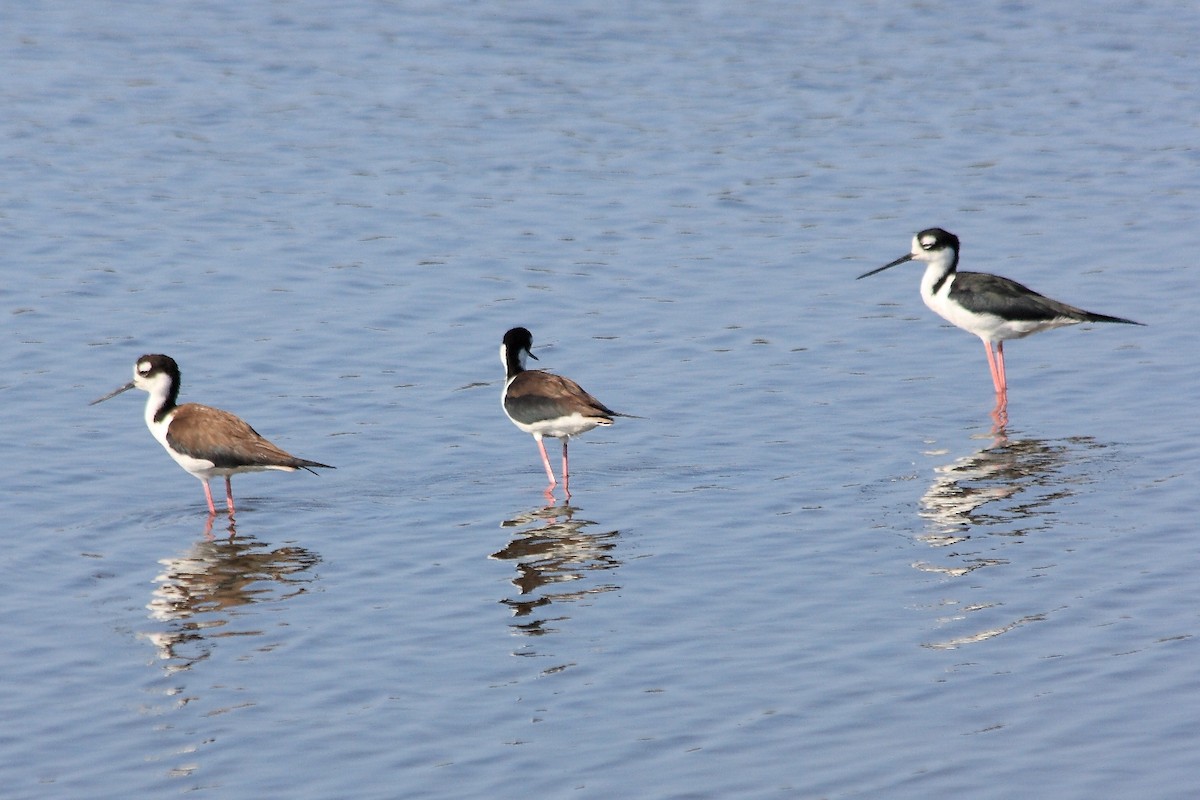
{"x": 993, "y": 294}
{"x": 535, "y": 395}
{"x": 226, "y": 440}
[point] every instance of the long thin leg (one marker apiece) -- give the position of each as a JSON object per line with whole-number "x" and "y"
{"x": 229, "y": 494}
{"x": 1000, "y": 368}
{"x": 212, "y": 510}
{"x": 565, "y": 474}
{"x": 991, "y": 365}
{"x": 997, "y": 370}
{"x": 1000, "y": 381}
{"x": 546, "y": 462}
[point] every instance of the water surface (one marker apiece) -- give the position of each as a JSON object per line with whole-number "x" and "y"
{"x": 812, "y": 569}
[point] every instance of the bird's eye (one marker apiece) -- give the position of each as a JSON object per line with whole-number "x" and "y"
{"x": 927, "y": 244}
{"x": 143, "y": 369}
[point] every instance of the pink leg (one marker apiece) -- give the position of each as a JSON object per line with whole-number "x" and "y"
{"x": 997, "y": 380}
{"x": 1000, "y": 368}
{"x": 565, "y": 474}
{"x": 229, "y": 494}
{"x": 546, "y": 463}
{"x": 212, "y": 510}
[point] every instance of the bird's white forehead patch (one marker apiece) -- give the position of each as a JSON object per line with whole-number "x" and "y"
{"x": 927, "y": 240}
{"x": 143, "y": 367}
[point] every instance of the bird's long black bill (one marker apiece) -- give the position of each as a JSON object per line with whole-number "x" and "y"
{"x": 113, "y": 393}
{"x": 900, "y": 260}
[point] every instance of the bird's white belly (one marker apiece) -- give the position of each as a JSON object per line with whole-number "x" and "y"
{"x": 199, "y": 467}
{"x": 562, "y": 427}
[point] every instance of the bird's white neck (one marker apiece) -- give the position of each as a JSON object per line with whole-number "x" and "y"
{"x": 159, "y": 409}
{"x": 939, "y": 275}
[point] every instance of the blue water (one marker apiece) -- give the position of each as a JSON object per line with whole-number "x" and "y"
{"x": 812, "y": 569}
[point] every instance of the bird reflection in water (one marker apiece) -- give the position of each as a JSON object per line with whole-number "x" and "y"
{"x": 980, "y": 504}
{"x": 554, "y": 553}
{"x": 200, "y": 591}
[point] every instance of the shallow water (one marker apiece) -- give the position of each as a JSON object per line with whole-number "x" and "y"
{"x": 812, "y": 569}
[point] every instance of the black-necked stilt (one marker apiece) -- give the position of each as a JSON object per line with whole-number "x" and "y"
{"x": 989, "y": 306}
{"x": 543, "y": 404}
{"x": 206, "y": 442}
